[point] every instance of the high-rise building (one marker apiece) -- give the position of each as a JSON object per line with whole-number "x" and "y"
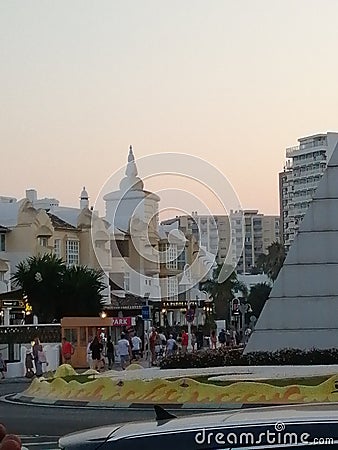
{"x": 259, "y": 232}
{"x": 238, "y": 239}
{"x": 304, "y": 167}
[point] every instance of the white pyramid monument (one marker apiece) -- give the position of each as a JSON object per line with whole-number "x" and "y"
{"x": 302, "y": 310}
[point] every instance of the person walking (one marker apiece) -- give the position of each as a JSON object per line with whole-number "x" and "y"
{"x": 213, "y": 340}
{"x": 37, "y": 364}
{"x": 124, "y": 350}
{"x": 110, "y": 353}
{"x": 3, "y": 368}
{"x": 185, "y": 342}
{"x": 96, "y": 348}
{"x": 152, "y": 344}
{"x": 171, "y": 346}
{"x": 67, "y": 350}
{"x": 136, "y": 344}
{"x": 222, "y": 337}
{"x": 29, "y": 364}
{"x": 199, "y": 339}
{"x": 89, "y": 354}
{"x": 193, "y": 342}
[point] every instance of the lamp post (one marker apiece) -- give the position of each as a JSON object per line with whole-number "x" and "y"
{"x": 199, "y": 305}
{"x": 244, "y": 308}
{"x": 186, "y": 284}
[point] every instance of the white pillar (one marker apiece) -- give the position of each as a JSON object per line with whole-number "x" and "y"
{"x": 6, "y": 316}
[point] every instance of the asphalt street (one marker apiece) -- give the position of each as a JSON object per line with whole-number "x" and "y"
{"x": 41, "y": 426}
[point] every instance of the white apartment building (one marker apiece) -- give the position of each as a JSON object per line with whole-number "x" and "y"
{"x": 258, "y": 232}
{"x": 213, "y": 233}
{"x": 304, "y": 167}
{"x": 238, "y": 239}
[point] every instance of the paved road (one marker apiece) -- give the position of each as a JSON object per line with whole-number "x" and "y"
{"x": 40, "y": 426}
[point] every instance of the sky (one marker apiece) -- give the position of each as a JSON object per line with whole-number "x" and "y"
{"x": 233, "y": 82}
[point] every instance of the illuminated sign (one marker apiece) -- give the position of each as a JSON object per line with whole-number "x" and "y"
{"x": 12, "y": 304}
{"x": 121, "y": 321}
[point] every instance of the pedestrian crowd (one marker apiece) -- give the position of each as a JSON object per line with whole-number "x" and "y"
{"x": 152, "y": 346}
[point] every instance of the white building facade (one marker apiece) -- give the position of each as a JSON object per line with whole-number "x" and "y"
{"x": 305, "y": 165}
{"x": 237, "y": 239}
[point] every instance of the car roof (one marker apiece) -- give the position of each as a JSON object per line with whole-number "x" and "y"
{"x": 232, "y": 418}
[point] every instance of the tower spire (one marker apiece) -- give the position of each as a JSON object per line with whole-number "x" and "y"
{"x": 131, "y": 181}
{"x": 84, "y": 199}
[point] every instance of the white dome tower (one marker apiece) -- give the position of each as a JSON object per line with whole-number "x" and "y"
{"x": 84, "y": 199}
{"x": 131, "y": 200}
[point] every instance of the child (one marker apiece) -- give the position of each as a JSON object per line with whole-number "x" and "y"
{"x": 29, "y": 365}
{"x": 3, "y": 368}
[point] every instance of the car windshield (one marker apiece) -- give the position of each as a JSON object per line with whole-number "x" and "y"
{"x": 168, "y": 224}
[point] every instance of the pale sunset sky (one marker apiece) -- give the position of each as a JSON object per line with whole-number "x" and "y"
{"x": 233, "y": 82}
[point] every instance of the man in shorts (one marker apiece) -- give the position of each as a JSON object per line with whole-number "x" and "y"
{"x": 124, "y": 350}
{"x": 136, "y": 343}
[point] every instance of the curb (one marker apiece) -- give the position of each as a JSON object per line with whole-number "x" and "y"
{"x": 23, "y": 399}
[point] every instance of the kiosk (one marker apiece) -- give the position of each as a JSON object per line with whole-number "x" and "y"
{"x": 81, "y": 330}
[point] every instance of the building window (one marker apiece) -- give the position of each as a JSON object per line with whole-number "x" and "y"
{"x": 2, "y": 242}
{"x": 2, "y": 276}
{"x": 43, "y": 241}
{"x": 172, "y": 288}
{"x": 72, "y": 253}
{"x": 57, "y": 248}
{"x": 172, "y": 256}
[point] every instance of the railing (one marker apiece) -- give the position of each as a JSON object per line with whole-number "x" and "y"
{"x": 304, "y": 146}
{"x": 291, "y": 150}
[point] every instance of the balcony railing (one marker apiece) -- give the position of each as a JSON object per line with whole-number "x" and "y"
{"x": 291, "y": 150}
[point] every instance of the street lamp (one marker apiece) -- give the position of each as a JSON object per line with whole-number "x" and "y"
{"x": 186, "y": 284}
{"x": 199, "y": 305}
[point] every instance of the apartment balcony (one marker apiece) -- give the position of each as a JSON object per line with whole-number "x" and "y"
{"x": 119, "y": 264}
{"x": 103, "y": 256}
{"x": 307, "y": 173}
{"x": 303, "y": 147}
{"x": 151, "y": 268}
{"x": 291, "y": 151}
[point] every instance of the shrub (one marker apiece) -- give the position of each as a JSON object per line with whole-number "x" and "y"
{"x": 235, "y": 357}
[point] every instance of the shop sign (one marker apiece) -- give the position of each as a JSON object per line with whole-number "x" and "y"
{"x": 121, "y": 321}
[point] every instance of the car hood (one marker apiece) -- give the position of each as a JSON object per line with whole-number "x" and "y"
{"x": 88, "y": 439}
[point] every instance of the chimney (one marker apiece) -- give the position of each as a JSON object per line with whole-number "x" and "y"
{"x": 32, "y": 195}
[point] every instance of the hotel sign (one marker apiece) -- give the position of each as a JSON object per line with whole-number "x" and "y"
{"x": 121, "y": 321}
{"x": 12, "y": 304}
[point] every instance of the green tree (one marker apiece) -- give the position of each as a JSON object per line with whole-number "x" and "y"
{"x": 272, "y": 262}
{"x": 55, "y": 290}
{"x": 222, "y": 293}
{"x": 82, "y": 292}
{"x": 40, "y": 278}
{"x": 258, "y": 296}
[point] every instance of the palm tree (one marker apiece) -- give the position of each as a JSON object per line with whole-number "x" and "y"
{"x": 55, "y": 290}
{"x": 258, "y": 296}
{"x": 81, "y": 292}
{"x": 222, "y": 293}
{"x": 272, "y": 262}
{"x": 40, "y": 278}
